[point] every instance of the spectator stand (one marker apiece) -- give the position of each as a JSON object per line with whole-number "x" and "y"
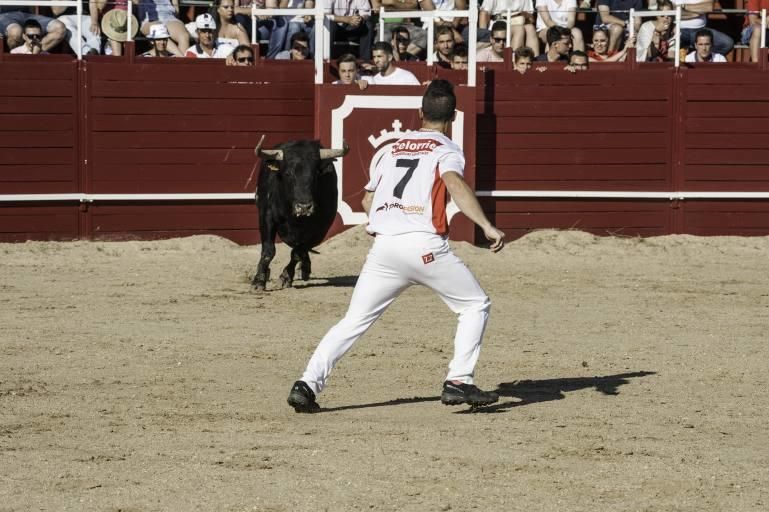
{"x": 48, "y": 3}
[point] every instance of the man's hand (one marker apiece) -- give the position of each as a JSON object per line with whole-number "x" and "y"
{"x": 362, "y": 84}
{"x": 95, "y": 29}
{"x": 495, "y": 236}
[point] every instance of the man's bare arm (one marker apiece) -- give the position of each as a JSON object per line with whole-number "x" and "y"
{"x": 468, "y": 204}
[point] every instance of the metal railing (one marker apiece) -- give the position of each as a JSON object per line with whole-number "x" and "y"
{"x": 471, "y": 14}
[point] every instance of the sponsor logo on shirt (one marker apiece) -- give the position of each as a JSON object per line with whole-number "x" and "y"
{"x": 407, "y": 209}
{"x": 428, "y": 258}
{"x": 414, "y": 146}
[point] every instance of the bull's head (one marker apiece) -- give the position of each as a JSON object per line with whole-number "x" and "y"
{"x": 299, "y": 164}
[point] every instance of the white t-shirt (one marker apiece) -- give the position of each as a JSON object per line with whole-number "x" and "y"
{"x": 697, "y": 22}
{"x": 716, "y": 57}
{"x": 220, "y": 52}
{"x": 495, "y": 7}
{"x": 409, "y": 194}
{"x": 398, "y": 77}
{"x": 559, "y": 13}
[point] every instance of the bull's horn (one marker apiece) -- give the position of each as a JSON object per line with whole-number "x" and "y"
{"x": 334, "y": 153}
{"x": 272, "y": 154}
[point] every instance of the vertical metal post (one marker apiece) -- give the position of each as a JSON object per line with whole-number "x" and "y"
{"x": 79, "y": 12}
{"x": 381, "y": 22}
{"x": 129, "y": 10}
{"x": 431, "y": 42}
{"x": 507, "y": 29}
{"x": 678, "y": 36}
{"x": 472, "y": 47}
{"x": 253, "y": 24}
{"x": 632, "y": 22}
{"x": 319, "y": 46}
{"x": 763, "y": 28}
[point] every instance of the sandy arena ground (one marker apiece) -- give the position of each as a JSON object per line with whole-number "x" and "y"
{"x": 147, "y": 376}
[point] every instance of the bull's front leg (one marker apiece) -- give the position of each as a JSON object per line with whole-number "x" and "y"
{"x": 287, "y": 277}
{"x": 306, "y": 267}
{"x": 268, "y": 253}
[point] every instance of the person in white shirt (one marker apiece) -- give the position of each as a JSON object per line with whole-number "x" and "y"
{"x": 32, "y": 35}
{"x": 522, "y": 31}
{"x": 703, "y": 48}
{"x": 693, "y": 18}
{"x": 389, "y": 73}
{"x": 496, "y": 51}
{"x": 406, "y": 201}
{"x": 561, "y": 13}
{"x": 207, "y": 47}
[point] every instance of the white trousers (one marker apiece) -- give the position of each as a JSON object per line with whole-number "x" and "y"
{"x": 393, "y": 264}
{"x": 88, "y": 40}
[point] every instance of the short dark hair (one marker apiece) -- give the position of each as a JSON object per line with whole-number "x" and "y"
{"x": 32, "y": 23}
{"x": 664, "y": 3}
{"x": 556, "y": 33}
{"x": 579, "y": 53}
{"x": 522, "y": 53}
{"x": 300, "y": 36}
{"x": 442, "y": 30}
{"x": 400, "y": 29}
{"x": 383, "y": 46}
{"x": 703, "y": 32}
{"x": 439, "y": 102}
{"x": 347, "y": 57}
{"x": 243, "y": 48}
{"x": 499, "y": 26}
{"x": 459, "y": 50}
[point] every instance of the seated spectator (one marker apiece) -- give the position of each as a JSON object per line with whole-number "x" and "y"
{"x": 693, "y": 16}
{"x": 459, "y": 58}
{"x": 656, "y": 40}
{"x": 152, "y": 12}
{"x": 751, "y": 32}
{"x": 522, "y": 60}
{"x": 457, "y": 25}
{"x": 300, "y": 48}
{"x": 558, "y": 45}
{"x": 347, "y": 66}
{"x": 389, "y": 73}
{"x": 229, "y": 30}
{"x": 578, "y": 61}
{"x": 242, "y": 55}
{"x": 32, "y": 34}
{"x": 418, "y": 34}
{"x": 400, "y": 43}
{"x": 600, "y": 51}
{"x": 89, "y": 40}
{"x": 522, "y": 31}
{"x": 351, "y": 21}
{"x": 270, "y": 28}
{"x": 613, "y": 16}
{"x": 158, "y": 38}
{"x": 114, "y": 25}
{"x": 444, "y": 44}
{"x": 304, "y": 24}
{"x": 12, "y": 20}
{"x": 207, "y": 47}
{"x": 559, "y": 13}
{"x": 703, "y": 48}
{"x": 497, "y": 38}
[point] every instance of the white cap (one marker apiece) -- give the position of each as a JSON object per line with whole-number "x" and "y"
{"x": 205, "y": 20}
{"x": 158, "y": 32}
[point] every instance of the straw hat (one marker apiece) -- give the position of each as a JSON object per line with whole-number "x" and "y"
{"x": 114, "y": 24}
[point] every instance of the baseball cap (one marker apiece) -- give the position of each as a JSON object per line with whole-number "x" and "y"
{"x": 158, "y": 32}
{"x": 205, "y": 20}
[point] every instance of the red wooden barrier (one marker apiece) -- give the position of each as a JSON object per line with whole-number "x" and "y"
{"x": 109, "y": 126}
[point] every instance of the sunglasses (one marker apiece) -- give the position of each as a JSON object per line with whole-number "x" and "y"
{"x": 498, "y": 39}
{"x": 403, "y": 40}
{"x": 34, "y": 37}
{"x": 245, "y": 59}
{"x": 300, "y": 48}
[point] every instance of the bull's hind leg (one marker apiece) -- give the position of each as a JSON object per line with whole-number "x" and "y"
{"x": 306, "y": 266}
{"x": 287, "y": 277}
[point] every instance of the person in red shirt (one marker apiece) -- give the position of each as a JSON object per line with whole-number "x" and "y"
{"x": 751, "y": 32}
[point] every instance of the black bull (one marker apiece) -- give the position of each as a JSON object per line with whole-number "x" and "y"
{"x": 297, "y": 200}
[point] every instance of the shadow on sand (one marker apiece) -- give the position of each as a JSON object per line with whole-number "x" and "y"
{"x": 524, "y": 391}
